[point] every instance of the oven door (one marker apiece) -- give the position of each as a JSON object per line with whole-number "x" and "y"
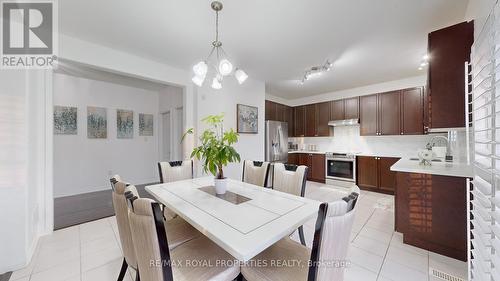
{"x": 341, "y": 169}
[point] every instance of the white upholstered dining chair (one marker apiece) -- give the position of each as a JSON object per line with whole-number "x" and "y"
{"x": 255, "y": 172}
{"x": 179, "y": 231}
{"x": 291, "y": 179}
{"x": 175, "y": 170}
{"x": 157, "y": 262}
{"x": 326, "y": 261}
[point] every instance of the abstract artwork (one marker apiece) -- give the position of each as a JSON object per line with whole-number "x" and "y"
{"x": 145, "y": 124}
{"x": 124, "y": 124}
{"x": 247, "y": 119}
{"x": 97, "y": 123}
{"x": 65, "y": 120}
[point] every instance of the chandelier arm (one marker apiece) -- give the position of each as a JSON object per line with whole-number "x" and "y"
{"x": 209, "y": 55}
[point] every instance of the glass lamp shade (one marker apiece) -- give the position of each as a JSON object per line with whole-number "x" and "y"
{"x": 225, "y": 67}
{"x": 217, "y": 83}
{"x": 198, "y": 80}
{"x": 240, "y": 75}
{"x": 200, "y": 69}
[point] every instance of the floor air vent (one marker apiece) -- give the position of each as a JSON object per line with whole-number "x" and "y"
{"x": 443, "y": 275}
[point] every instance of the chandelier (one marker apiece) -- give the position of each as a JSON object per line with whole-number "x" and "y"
{"x": 217, "y": 60}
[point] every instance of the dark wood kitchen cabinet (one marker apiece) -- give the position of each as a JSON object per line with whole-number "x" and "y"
{"x": 351, "y": 108}
{"x": 293, "y": 158}
{"x": 387, "y": 178}
{"x": 337, "y": 110}
{"x": 431, "y": 213}
{"x": 389, "y": 113}
{"x": 368, "y": 115}
{"x": 344, "y": 109}
{"x": 280, "y": 112}
{"x": 323, "y": 110}
{"x": 314, "y": 162}
{"x": 289, "y": 119}
{"x": 311, "y": 120}
{"x": 398, "y": 112}
{"x": 317, "y": 169}
{"x": 374, "y": 173}
{"x": 448, "y": 49}
{"x": 275, "y": 111}
{"x": 270, "y": 110}
{"x": 412, "y": 111}
{"x": 299, "y": 121}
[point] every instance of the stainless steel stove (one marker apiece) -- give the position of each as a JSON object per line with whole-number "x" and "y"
{"x": 340, "y": 168}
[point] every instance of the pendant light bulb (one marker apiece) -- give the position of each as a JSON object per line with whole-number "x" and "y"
{"x": 198, "y": 80}
{"x": 200, "y": 69}
{"x": 225, "y": 67}
{"x": 217, "y": 83}
{"x": 240, "y": 75}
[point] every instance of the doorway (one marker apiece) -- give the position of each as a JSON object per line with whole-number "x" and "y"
{"x": 166, "y": 145}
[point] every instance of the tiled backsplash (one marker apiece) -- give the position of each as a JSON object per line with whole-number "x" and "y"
{"x": 347, "y": 139}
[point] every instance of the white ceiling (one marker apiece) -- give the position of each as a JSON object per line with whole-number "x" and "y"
{"x": 274, "y": 41}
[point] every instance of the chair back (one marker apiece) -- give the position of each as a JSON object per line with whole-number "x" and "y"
{"x": 331, "y": 238}
{"x": 150, "y": 240}
{"x": 255, "y": 172}
{"x": 120, "y": 191}
{"x": 290, "y": 178}
{"x": 175, "y": 170}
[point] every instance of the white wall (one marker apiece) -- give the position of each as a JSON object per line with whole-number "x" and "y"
{"x": 416, "y": 81}
{"x": 478, "y": 10}
{"x": 22, "y": 157}
{"x": 85, "y": 165}
{"x": 252, "y": 92}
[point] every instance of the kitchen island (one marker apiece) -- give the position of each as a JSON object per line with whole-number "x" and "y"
{"x": 431, "y": 206}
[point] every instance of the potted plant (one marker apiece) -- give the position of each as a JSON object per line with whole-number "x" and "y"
{"x": 216, "y": 150}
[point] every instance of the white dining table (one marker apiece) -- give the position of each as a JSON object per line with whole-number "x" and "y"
{"x": 244, "y": 221}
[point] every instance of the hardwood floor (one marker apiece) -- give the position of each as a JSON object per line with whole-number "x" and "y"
{"x": 81, "y": 208}
{"x": 5, "y": 276}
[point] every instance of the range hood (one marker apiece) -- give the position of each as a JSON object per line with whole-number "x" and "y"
{"x": 346, "y": 122}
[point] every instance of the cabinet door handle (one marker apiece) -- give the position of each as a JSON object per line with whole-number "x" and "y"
{"x": 402, "y": 133}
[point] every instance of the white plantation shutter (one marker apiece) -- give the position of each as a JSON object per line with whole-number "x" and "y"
{"x": 484, "y": 79}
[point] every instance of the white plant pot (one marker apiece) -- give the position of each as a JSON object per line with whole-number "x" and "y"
{"x": 220, "y": 185}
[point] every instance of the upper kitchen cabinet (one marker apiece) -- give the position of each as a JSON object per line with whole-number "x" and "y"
{"x": 276, "y": 111}
{"x": 412, "y": 111}
{"x": 389, "y": 112}
{"x": 270, "y": 110}
{"x": 448, "y": 49}
{"x": 323, "y": 110}
{"x": 398, "y": 112}
{"x": 289, "y": 115}
{"x": 337, "y": 110}
{"x": 368, "y": 115}
{"x": 344, "y": 109}
{"x": 311, "y": 120}
{"x": 298, "y": 121}
{"x": 351, "y": 108}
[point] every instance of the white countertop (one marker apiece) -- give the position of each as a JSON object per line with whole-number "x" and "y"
{"x": 452, "y": 169}
{"x": 243, "y": 230}
{"x": 306, "y": 151}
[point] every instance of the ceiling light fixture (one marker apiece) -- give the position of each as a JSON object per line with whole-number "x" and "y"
{"x": 316, "y": 71}
{"x": 424, "y": 62}
{"x": 221, "y": 65}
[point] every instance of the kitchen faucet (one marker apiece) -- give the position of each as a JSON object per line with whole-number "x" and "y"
{"x": 432, "y": 143}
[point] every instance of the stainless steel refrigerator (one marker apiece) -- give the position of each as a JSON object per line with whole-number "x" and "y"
{"x": 276, "y": 141}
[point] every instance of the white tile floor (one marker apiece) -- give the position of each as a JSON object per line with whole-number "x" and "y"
{"x": 91, "y": 251}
